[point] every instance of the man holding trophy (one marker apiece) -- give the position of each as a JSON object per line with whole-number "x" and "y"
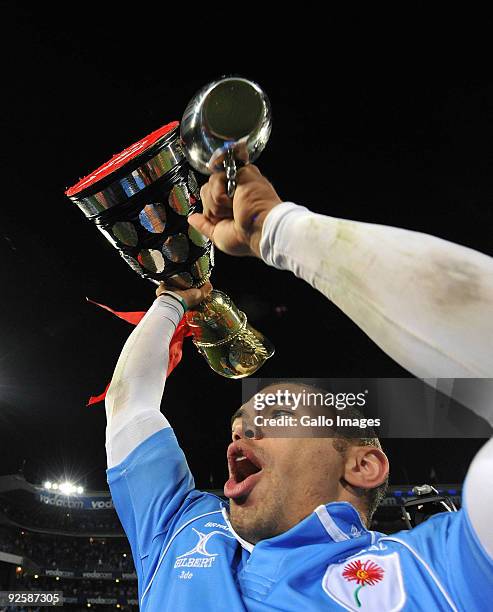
{"x": 296, "y": 533}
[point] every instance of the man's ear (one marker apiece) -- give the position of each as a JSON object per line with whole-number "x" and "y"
{"x": 366, "y": 467}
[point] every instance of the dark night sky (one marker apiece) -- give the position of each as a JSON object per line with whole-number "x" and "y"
{"x": 407, "y": 145}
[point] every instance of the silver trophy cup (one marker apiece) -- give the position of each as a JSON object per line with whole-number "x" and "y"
{"x": 225, "y": 125}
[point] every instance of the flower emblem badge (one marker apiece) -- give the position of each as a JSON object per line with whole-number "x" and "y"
{"x": 363, "y": 573}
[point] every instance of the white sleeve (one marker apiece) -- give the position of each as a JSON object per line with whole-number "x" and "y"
{"x": 427, "y": 302}
{"x": 134, "y": 396}
{"x": 478, "y": 496}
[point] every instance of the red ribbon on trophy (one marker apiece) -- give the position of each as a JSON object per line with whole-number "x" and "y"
{"x": 175, "y": 348}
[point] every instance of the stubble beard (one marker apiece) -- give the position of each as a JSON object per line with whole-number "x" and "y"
{"x": 255, "y": 524}
{"x": 260, "y": 521}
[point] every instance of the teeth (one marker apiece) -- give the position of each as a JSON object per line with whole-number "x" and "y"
{"x": 240, "y": 459}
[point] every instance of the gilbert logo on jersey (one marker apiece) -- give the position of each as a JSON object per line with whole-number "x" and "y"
{"x": 206, "y": 559}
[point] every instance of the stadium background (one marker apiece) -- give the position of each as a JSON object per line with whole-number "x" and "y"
{"x": 75, "y": 544}
{"x": 353, "y": 136}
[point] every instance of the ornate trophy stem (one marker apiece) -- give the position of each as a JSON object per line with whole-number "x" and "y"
{"x": 223, "y": 336}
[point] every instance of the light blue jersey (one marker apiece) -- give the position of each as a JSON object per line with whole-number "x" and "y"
{"x": 187, "y": 556}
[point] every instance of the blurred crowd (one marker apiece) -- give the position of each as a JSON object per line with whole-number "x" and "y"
{"x": 68, "y": 553}
{"x": 80, "y": 588}
{"x": 80, "y": 521}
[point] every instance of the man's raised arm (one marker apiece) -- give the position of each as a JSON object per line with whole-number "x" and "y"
{"x": 134, "y": 396}
{"x": 147, "y": 471}
{"x": 427, "y": 302}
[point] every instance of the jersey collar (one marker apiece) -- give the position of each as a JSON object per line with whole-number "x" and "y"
{"x": 336, "y": 521}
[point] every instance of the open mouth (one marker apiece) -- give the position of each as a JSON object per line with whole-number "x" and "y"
{"x": 244, "y": 471}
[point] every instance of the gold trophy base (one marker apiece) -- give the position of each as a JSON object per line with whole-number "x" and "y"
{"x": 221, "y": 333}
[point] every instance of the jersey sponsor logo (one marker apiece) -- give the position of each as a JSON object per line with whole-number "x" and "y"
{"x": 370, "y": 583}
{"x": 207, "y": 558}
{"x": 210, "y": 524}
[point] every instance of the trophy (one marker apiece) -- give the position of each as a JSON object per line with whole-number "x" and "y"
{"x": 140, "y": 201}
{"x": 226, "y": 124}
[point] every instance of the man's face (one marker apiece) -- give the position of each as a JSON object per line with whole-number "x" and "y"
{"x": 275, "y": 482}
